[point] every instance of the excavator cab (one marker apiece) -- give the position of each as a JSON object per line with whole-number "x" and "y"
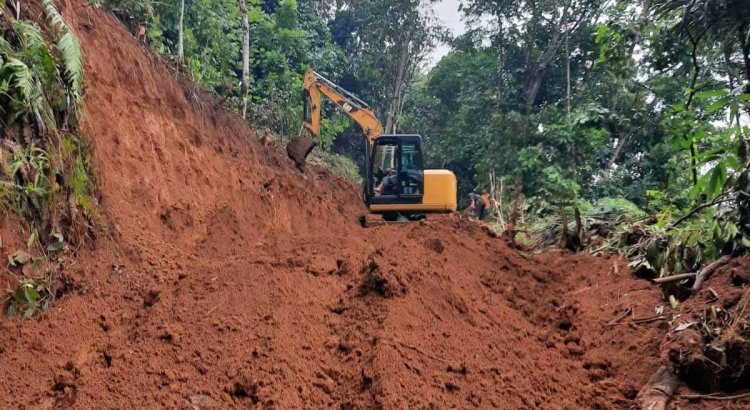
{"x": 395, "y": 172}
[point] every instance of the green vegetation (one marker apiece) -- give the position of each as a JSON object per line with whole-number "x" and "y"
{"x": 44, "y": 177}
{"x": 31, "y": 295}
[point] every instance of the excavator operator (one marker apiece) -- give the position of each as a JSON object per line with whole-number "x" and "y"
{"x": 388, "y": 184}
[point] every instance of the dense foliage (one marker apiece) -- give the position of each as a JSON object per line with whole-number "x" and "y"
{"x": 585, "y": 100}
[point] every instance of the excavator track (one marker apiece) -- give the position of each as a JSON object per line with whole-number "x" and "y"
{"x": 373, "y": 220}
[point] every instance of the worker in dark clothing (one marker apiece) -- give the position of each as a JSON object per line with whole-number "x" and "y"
{"x": 389, "y": 184}
{"x": 379, "y": 175}
{"x": 480, "y": 205}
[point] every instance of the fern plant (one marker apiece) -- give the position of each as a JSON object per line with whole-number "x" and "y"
{"x": 28, "y": 184}
{"x": 70, "y": 51}
{"x": 30, "y": 79}
{"x": 43, "y": 161}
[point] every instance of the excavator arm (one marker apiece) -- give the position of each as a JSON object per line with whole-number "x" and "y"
{"x": 315, "y": 86}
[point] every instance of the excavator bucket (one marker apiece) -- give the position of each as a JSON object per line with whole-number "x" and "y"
{"x": 299, "y": 148}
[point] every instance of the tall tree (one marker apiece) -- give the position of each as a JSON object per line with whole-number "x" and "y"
{"x": 391, "y": 40}
{"x": 245, "y": 33}
{"x": 540, "y": 26}
{"x": 181, "y": 34}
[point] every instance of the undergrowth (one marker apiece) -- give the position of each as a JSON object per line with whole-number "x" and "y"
{"x": 45, "y": 171}
{"x": 655, "y": 244}
{"x": 339, "y": 164}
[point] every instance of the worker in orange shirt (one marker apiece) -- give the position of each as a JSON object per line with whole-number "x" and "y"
{"x": 480, "y": 203}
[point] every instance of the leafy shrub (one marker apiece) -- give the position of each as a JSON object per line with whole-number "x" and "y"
{"x": 31, "y": 296}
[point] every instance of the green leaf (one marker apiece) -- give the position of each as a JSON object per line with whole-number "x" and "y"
{"x": 31, "y": 295}
{"x": 733, "y": 110}
{"x": 22, "y": 80}
{"x": 69, "y": 48}
{"x": 717, "y": 105}
{"x": 718, "y": 177}
{"x": 18, "y": 258}
{"x": 711, "y": 94}
{"x": 732, "y": 162}
{"x": 29, "y": 311}
{"x": 11, "y": 313}
{"x": 32, "y": 239}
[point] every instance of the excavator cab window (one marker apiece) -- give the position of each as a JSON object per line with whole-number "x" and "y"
{"x": 396, "y": 172}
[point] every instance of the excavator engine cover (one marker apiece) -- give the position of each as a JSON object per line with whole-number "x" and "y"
{"x": 299, "y": 148}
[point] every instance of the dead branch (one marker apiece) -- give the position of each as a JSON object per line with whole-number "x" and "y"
{"x": 420, "y": 351}
{"x": 649, "y": 319}
{"x": 713, "y": 396}
{"x": 673, "y": 278}
{"x": 624, "y": 314}
{"x": 497, "y": 199}
{"x": 704, "y": 273}
{"x": 719, "y": 200}
{"x": 658, "y": 390}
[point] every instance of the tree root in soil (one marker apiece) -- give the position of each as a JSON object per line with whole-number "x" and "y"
{"x": 658, "y": 390}
{"x": 714, "y": 396}
{"x": 704, "y": 273}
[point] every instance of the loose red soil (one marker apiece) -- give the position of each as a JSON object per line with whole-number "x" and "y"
{"x": 228, "y": 279}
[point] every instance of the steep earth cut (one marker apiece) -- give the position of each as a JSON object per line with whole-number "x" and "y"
{"x": 228, "y": 279}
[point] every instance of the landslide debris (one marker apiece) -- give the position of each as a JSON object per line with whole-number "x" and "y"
{"x": 230, "y": 280}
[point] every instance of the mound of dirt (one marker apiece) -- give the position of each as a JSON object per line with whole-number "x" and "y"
{"x": 229, "y": 279}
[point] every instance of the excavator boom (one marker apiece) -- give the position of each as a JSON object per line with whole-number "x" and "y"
{"x": 315, "y": 86}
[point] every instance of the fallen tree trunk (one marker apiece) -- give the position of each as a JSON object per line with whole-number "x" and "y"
{"x": 707, "y": 270}
{"x": 659, "y": 390}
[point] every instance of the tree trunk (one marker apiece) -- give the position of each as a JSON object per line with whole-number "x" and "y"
{"x": 532, "y": 89}
{"x": 500, "y": 64}
{"x": 394, "y": 100}
{"x": 567, "y": 75}
{"x": 745, "y": 46}
{"x": 564, "y": 234}
{"x": 643, "y": 20}
{"x": 535, "y": 69}
{"x": 181, "y": 34}
{"x": 693, "y": 82}
{"x": 618, "y": 149}
{"x": 245, "y": 57}
{"x": 513, "y": 217}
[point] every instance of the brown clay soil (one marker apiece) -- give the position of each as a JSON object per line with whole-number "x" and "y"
{"x": 228, "y": 279}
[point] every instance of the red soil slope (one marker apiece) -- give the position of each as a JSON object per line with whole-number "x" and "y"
{"x": 228, "y": 279}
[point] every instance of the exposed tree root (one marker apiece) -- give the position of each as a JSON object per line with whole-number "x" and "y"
{"x": 704, "y": 273}
{"x": 659, "y": 390}
{"x": 714, "y": 396}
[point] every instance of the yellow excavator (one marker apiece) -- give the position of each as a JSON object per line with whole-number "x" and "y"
{"x": 396, "y": 185}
